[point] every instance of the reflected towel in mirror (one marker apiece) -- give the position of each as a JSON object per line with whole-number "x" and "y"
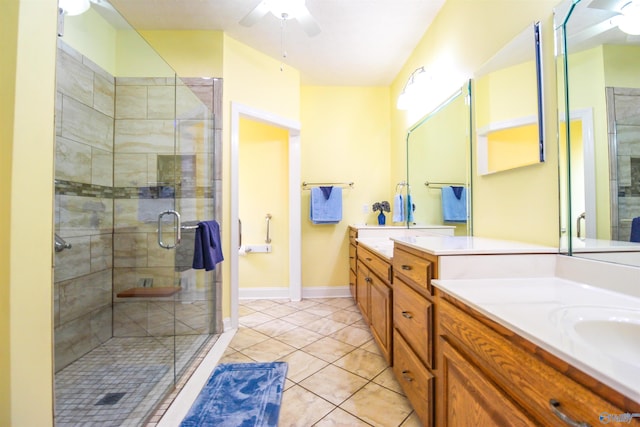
{"x": 454, "y": 204}
{"x": 635, "y": 230}
{"x": 398, "y": 208}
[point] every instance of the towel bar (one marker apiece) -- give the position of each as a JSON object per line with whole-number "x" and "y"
{"x": 325, "y": 184}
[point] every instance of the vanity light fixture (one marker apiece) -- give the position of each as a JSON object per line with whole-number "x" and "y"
{"x": 74, "y": 7}
{"x": 629, "y": 19}
{"x": 412, "y": 89}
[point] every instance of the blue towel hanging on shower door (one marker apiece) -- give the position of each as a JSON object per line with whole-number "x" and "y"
{"x": 207, "y": 251}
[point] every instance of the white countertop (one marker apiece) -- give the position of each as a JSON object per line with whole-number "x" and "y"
{"x": 598, "y": 245}
{"x": 468, "y": 245}
{"x": 543, "y": 311}
{"x": 412, "y": 227}
{"x": 383, "y": 246}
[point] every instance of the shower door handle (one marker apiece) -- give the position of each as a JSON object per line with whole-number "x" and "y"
{"x": 177, "y": 229}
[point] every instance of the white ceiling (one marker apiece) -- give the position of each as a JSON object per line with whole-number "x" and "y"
{"x": 361, "y": 43}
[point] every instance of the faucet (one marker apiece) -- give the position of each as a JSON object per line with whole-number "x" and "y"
{"x": 60, "y": 244}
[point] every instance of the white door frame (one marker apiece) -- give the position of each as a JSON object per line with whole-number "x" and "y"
{"x": 585, "y": 115}
{"x": 295, "y": 245}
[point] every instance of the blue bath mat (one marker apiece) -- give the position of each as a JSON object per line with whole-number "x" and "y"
{"x": 240, "y": 395}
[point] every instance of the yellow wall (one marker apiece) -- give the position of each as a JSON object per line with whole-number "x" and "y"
{"x": 263, "y": 189}
{"x": 92, "y": 36}
{"x": 190, "y": 53}
{"x": 27, "y": 87}
{"x": 513, "y": 147}
{"x": 464, "y": 35}
{"x": 345, "y": 137}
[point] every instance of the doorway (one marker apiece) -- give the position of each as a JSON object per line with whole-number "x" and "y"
{"x": 240, "y": 112}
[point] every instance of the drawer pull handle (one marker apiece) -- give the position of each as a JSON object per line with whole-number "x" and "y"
{"x": 369, "y": 259}
{"x": 555, "y": 408}
{"x": 405, "y": 376}
{"x": 407, "y": 315}
{"x": 406, "y": 267}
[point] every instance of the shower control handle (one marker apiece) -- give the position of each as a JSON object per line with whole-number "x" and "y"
{"x": 178, "y": 229}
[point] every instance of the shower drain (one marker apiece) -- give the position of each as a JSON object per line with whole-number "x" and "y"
{"x": 110, "y": 399}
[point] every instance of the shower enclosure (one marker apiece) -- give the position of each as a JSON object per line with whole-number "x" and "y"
{"x": 135, "y": 173}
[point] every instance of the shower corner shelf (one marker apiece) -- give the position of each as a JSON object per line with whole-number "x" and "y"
{"x": 165, "y": 291}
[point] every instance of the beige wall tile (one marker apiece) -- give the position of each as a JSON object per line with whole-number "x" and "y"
{"x": 144, "y": 136}
{"x": 74, "y": 79}
{"x": 131, "y": 102}
{"x": 84, "y": 124}
{"x": 73, "y": 160}
{"x": 130, "y": 170}
{"x": 101, "y": 167}
{"x": 161, "y": 102}
{"x": 104, "y": 95}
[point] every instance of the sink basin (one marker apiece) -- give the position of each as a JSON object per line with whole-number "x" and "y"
{"x": 612, "y": 331}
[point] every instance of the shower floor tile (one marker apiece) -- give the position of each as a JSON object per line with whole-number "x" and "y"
{"x": 122, "y": 381}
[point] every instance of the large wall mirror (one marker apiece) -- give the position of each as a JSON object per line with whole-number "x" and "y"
{"x": 438, "y": 165}
{"x": 598, "y": 71}
{"x": 510, "y": 134}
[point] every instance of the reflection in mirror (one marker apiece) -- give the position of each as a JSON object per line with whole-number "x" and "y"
{"x": 438, "y": 166}
{"x": 510, "y": 134}
{"x": 599, "y": 83}
{"x": 132, "y": 140}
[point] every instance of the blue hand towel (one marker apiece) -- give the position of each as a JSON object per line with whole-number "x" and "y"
{"x": 207, "y": 250}
{"x": 410, "y": 208}
{"x": 398, "y": 208}
{"x": 454, "y": 206}
{"x": 325, "y": 211}
{"x": 635, "y": 230}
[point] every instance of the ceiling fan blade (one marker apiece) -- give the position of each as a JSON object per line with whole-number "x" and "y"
{"x": 255, "y": 15}
{"x": 611, "y": 5}
{"x": 104, "y": 4}
{"x": 308, "y": 23}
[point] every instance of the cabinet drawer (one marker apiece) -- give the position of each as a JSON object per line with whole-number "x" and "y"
{"x": 376, "y": 264}
{"x": 413, "y": 318}
{"x": 416, "y": 270}
{"x": 415, "y": 379}
{"x": 526, "y": 379}
{"x": 352, "y": 257}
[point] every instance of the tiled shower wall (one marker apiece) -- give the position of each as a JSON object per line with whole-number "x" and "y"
{"x": 115, "y": 171}
{"x": 84, "y": 205}
{"x": 624, "y": 153}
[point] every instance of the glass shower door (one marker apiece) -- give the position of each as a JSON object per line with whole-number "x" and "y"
{"x": 192, "y": 167}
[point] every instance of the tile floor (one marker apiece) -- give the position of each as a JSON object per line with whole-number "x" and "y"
{"x": 336, "y": 376}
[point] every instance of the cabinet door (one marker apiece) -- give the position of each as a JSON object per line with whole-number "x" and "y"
{"x": 352, "y": 283}
{"x": 380, "y": 315}
{"x": 362, "y": 290}
{"x": 416, "y": 380}
{"x": 470, "y": 399}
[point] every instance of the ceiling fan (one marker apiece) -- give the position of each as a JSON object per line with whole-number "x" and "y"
{"x": 626, "y": 14}
{"x": 284, "y": 9}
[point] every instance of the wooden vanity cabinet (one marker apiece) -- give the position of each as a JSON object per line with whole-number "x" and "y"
{"x": 490, "y": 376}
{"x": 374, "y": 298}
{"x": 414, "y": 329}
{"x": 353, "y": 272}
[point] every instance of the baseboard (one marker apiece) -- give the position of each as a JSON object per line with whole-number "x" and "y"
{"x": 283, "y": 293}
{"x": 226, "y": 324}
